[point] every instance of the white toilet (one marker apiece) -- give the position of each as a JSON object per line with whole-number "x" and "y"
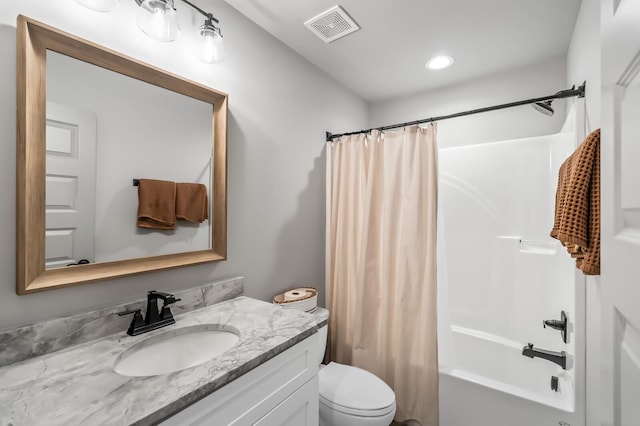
{"x": 351, "y": 396}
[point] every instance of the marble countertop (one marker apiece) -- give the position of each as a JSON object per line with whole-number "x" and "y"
{"x": 78, "y": 385}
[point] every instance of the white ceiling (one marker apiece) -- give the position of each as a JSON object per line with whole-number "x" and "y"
{"x": 386, "y": 57}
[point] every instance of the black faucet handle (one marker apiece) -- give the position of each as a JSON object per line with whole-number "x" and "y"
{"x": 130, "y": 311}
{"x": 165, "y": 313}
{"x": 168, "y": 298}
{"x": 560, "y": 325}
{"x": 557, "y": 324}
{"x": 136, "y": 322}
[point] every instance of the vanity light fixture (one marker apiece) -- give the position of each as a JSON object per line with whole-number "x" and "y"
{"x": 439, "y": 62}
{"x": 158, "y": 19}
{"x": 212, "y": 50}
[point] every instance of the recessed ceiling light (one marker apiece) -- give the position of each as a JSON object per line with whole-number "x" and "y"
{"x": 439, "y": 62}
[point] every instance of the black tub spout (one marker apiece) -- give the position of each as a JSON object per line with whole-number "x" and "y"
{"x": 559, "y": 358}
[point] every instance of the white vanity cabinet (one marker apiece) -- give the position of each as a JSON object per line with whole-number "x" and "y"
{"x": 281, "y": 391}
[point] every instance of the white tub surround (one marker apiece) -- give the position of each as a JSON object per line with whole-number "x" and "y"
{"x": 500, "y": 276}
{"x": 78, "y": 385}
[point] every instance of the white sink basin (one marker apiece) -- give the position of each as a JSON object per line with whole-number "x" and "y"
{"x": 176, "y": 350}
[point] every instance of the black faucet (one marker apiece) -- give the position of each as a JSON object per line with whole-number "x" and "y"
{"x": 154, "y": 318}
{"x": 559, "y": 358}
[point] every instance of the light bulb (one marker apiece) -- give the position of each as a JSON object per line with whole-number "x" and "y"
{"x": 159, "y": 20}
{"x": 212, "y": 50}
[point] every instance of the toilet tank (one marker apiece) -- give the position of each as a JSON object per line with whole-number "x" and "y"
{"x": 322, "y": 342}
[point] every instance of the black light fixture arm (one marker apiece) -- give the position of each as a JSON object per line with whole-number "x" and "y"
{"x": 207, "y": 14}
{"x": 568, "y": 93}
{"x": 202, "y": 12}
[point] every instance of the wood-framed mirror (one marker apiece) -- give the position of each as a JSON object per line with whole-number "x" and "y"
{"x": 35, "y": 42}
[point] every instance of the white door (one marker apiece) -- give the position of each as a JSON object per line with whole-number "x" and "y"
{"x": 620, "y": 210}
{"x": 70, "y": 185}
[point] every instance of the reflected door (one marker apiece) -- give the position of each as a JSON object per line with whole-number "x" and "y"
{"x": 620, "y": 211}
{"x": 70, "y": 185}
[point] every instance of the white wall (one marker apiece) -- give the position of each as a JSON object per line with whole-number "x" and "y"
{"x": 583, "y": 64}
{"x": 531, "y": 81}
{"x": 583, "y": 58}
{"x": 280, "y": 106}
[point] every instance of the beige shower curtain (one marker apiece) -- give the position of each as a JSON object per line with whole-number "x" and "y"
{"x": 381, "y": 262}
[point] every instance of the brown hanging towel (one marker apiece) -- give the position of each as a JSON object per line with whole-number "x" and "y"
{"x": 577, "y": 214}
{"x": 191, "y": 202}
{"x": 156, "y": 204}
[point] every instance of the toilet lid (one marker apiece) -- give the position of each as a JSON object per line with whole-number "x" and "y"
{"x": 348, "y": 388}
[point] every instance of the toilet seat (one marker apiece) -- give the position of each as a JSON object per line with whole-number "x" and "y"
{"x": 354, "y": 391}
{"x": 355, "y": 412}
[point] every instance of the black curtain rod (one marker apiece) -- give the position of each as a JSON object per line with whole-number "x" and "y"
{"x": 569, "y": 93}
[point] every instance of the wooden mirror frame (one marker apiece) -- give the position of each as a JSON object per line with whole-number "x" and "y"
{"x": 33, "y": 39}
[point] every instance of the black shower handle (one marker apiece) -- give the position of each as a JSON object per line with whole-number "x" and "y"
{"x": 560, "y": 324}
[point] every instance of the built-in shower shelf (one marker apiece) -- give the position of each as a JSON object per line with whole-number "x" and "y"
{"x": 538, "y": 247}
{"x": 548, "y": 248}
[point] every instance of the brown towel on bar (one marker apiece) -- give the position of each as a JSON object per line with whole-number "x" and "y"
{"x": 191, "y": 202}
{"x": 156, "y": 204}
{"x": 577, "y": 216}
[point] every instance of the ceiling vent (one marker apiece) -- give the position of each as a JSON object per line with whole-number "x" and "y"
{"x": 332, "y": 24}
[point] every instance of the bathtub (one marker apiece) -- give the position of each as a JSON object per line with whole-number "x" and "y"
{"x": 509, "y": 371}
{"x": 493, "y": 384}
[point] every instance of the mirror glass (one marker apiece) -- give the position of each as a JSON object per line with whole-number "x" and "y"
{"x": 104, "y": 130}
